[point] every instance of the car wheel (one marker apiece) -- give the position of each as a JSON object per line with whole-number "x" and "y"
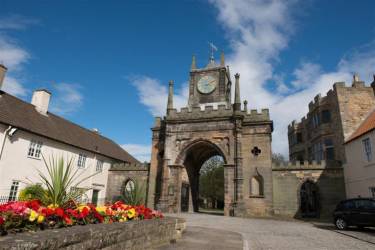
{"x": 341, "y": 224}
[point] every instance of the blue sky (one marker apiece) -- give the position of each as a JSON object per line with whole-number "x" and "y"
{"x": 108, "y": 64}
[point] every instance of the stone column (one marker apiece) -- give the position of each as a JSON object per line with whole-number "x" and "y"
{"x": 228, "y": 189}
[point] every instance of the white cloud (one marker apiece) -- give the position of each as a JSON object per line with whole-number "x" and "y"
{"x": 14, "y": 87}
{"x": 153, "y": 94}
{"x": 139, "y": 151}
{"x": 12, "y": 55}
{"x": 66, "y": 98}
{"x": 257, "y": 32}
{"x": 16, "y": 22}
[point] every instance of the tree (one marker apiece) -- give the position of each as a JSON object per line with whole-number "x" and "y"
{"x": 211, "y": 181}
{"x": 279, "y": 159}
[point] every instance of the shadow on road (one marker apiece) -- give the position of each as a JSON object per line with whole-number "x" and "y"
{"x": 362, "y": 234}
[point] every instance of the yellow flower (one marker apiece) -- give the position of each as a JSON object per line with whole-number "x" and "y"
{"x": 121, "y": 220}
{"x": 101, "y": 209}
{"x": 131, "y": 213}
{"x": 80, "y": 208}
{"x": 40, "y": 219}
{"x": 53, "y": 206}
{"x": 33, "y": 215}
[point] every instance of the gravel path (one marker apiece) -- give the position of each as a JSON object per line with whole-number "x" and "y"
{"x": 277, "y": 234}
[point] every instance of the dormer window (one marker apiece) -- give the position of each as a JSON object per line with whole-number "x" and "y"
{"x": 35, "y": 149}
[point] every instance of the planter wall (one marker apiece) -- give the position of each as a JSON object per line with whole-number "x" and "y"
{"x": 145, "y": 234}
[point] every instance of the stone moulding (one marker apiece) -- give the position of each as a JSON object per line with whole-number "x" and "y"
{"x": 143, "y": 234}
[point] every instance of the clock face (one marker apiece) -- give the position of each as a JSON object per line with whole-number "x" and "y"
{"x": 207, "y": 84}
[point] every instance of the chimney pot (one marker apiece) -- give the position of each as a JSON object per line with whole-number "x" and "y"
{"x": 40, "y": 100}
{"x": 3, "y": 70}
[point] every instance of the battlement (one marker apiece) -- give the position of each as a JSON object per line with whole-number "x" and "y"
{"x": 130, "y": 167}
{"x": 222, "y": 111}
{"x": 298, "y": 166}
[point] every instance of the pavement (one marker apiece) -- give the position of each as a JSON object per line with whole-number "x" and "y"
{"x": 206, "y": 231}
{"x": 209, "y": 239}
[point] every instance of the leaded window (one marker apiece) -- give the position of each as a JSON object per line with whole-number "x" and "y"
{"x": 99, "y": 166}
{"x": 13, "y": 190}
{"x": 81, "y": 161}
{"x": 367, "y": 149}
{"x": 35, "y": 149}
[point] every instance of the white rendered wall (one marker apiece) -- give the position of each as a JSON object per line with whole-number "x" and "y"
{"x": 359, "y": 173}
{"x": 16, "y": 165}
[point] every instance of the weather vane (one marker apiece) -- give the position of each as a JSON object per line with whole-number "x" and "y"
{"x": 213, "y": 49}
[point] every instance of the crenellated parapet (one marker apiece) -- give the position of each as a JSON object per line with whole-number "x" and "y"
{"x": 130, "y": 167}
{"x": 300, "y": 166}
{"x": 222, "y": 111}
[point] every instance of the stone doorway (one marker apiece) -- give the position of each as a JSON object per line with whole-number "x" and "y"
{"x": 309, "y": 195}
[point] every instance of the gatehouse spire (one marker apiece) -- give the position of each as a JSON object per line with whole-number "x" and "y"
{"x": 237, "y": 96}
{"x": 170, "y": 97}
{"x": 222, "y": 60}
{"x": 193, "y": 63}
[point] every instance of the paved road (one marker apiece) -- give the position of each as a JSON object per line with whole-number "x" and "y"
{"x": 277, "y": 234}
{"x": 195, "y": 238}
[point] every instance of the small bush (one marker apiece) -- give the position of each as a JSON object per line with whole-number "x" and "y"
{"x": 33, "y": 192}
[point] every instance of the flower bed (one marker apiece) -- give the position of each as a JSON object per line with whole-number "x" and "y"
{"x": 31, "y": 215}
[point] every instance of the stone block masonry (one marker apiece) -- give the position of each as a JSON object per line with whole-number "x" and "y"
{"x": 145, "y": 234}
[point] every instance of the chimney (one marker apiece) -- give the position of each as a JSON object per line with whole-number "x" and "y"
{"x": 3, "y": 70}
{"x": 40, "y": 100}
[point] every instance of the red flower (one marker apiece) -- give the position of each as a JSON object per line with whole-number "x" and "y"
{"x": 1, "y": 220}
{"x": 34, "y": 205}
{"x": 59, "y": 212}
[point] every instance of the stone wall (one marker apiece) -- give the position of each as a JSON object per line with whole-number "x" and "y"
{"x": 287, "y": 182}
{"x": 119, "y": 174}
{"x": 145, "y": 234}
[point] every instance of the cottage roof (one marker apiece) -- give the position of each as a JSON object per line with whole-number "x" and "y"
{"x": 23, "y": 115}
{"x": 366, "y": 126}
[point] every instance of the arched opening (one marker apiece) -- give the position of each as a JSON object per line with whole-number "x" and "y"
{"x": 309, "y": 197}
{"x": 257, "y": 186}
{"x": 203, "y": 158}
{"x": 211, "y": 186}
{"x": 128, "y": 186}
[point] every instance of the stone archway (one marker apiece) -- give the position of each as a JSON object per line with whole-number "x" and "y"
{"x": 309, "y": 199}
{"x": 191, "y": 158}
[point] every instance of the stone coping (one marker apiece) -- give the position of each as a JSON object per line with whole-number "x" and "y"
{"x": 138, "y": 234}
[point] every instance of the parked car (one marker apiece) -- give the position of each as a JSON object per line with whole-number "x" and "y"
{"x": 358, "y": 212}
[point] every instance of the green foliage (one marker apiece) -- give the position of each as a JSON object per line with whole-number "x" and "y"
{"x": 279, "y": 159}
{"x": 211, "y": 181}
{"x": 133, "y": 193}
{"x": 33, "y": 192}
{"x": 62, "y": 181}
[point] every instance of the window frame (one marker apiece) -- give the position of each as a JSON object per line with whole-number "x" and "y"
{"x": 35, "y": 149}
{"x": 367, "y": 149}
{"x": 81, "y": 163}
{"x": 13, "y": 190}
{"x": 99, "y": 166}
{"x": 326, "y": 116}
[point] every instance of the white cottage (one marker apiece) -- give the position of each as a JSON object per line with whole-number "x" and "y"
{"x": 360, "y": 163}
{"x": 28, "y": 130}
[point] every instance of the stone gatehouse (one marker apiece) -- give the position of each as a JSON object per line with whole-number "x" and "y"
{"x": 212, "y": 125}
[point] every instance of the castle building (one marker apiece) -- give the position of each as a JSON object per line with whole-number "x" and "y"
{"x": 30, "y": 130}
{"x": 331, "y": 120}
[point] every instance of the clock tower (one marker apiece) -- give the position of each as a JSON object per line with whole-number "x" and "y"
{"x": 209, "y": 85}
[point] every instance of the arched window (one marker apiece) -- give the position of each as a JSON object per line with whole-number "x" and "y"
{"x": 256, "y": 185}
{"x": 129, "y": 185}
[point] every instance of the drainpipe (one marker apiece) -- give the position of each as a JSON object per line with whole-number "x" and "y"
{"x": 4, "y": 139}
